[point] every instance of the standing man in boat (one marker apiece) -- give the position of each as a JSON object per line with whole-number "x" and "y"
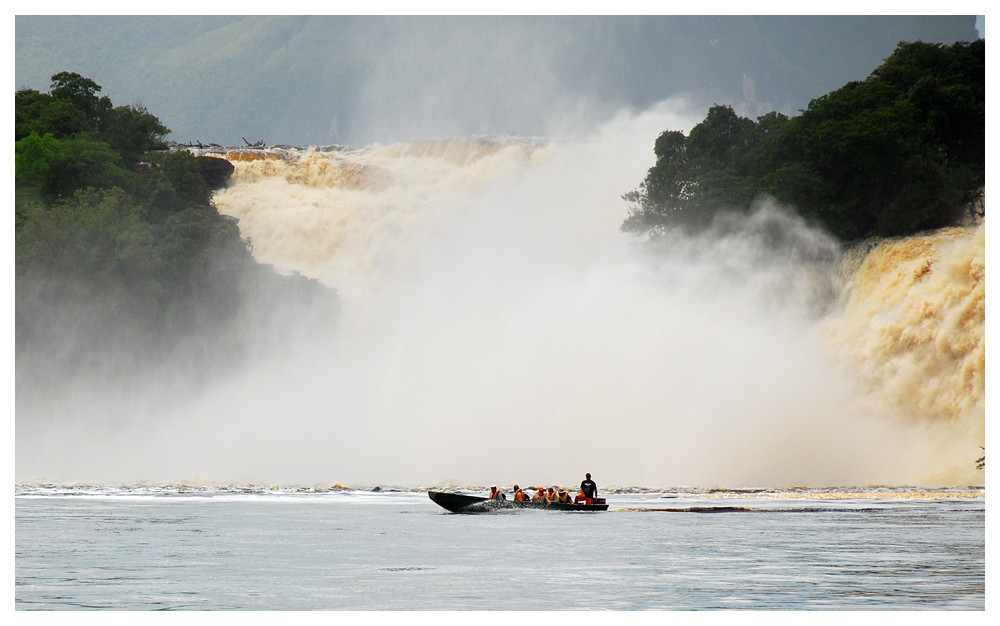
{"x": 589, "y": 489}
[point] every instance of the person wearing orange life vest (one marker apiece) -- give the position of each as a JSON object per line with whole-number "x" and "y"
{"x": 519, "y": 495}
{"x": 563, "y": 497}
{"x": 551, "y": 495}
{"x": 494, "y": 494}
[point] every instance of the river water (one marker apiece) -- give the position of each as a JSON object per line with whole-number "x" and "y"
{"x": 251, "y": 549}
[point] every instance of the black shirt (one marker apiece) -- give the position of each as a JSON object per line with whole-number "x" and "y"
{"x": 589, "y": 488}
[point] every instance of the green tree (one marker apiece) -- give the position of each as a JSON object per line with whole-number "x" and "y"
{"x": 133, "y": 131}
{"x": 696, "y": 176}
{"x": 73, "y": 109}
{"x": 81, "y": 92}
{"x": 900, "y": 152}
{"x": 59, "y": 167}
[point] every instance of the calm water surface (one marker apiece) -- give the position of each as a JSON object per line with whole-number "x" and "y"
{"x": 398, "y": 550}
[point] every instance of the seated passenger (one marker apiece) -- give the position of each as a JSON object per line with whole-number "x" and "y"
{"x": 494, "y": 494}
{"x": 551, "y": 495}
{"x": 563, "y": 497}
{"x": 519, "y": 495}
{"x": 539, "y": 495}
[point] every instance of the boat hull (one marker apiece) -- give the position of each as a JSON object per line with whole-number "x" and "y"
{"x": 461, "y": 503}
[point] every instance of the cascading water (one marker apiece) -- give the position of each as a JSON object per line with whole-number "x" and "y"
{"x": 912, "y": 328}
{"x": 497, "y": 327}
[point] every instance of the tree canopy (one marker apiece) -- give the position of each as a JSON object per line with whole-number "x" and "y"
{"x": 119, "y": 256}
{"x": 897, "y": 153}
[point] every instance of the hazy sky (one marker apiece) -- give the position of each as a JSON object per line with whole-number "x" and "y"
{"x": 361, "y": 79}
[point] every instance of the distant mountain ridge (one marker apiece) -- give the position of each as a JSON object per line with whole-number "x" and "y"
{"x": 357, "y": 80}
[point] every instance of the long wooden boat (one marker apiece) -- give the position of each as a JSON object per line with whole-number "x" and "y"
{"x": 463, "y": 503}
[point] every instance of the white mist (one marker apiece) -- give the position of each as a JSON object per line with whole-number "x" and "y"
{"x": 498, "y": 328}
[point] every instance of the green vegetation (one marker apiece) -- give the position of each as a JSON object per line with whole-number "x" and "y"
{"x": 900, "y": 152}
{"x": 122, "y": 265}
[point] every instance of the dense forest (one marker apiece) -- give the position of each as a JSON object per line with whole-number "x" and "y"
{"x": 900, "y": 152}
{"x": 123, "y": 268}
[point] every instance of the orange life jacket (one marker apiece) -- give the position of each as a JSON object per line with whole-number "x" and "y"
{"x": 519, "y": 496}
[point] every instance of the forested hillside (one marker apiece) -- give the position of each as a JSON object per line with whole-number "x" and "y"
{"x": 124, "y": 270}
{"x": 898, "y": 153}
